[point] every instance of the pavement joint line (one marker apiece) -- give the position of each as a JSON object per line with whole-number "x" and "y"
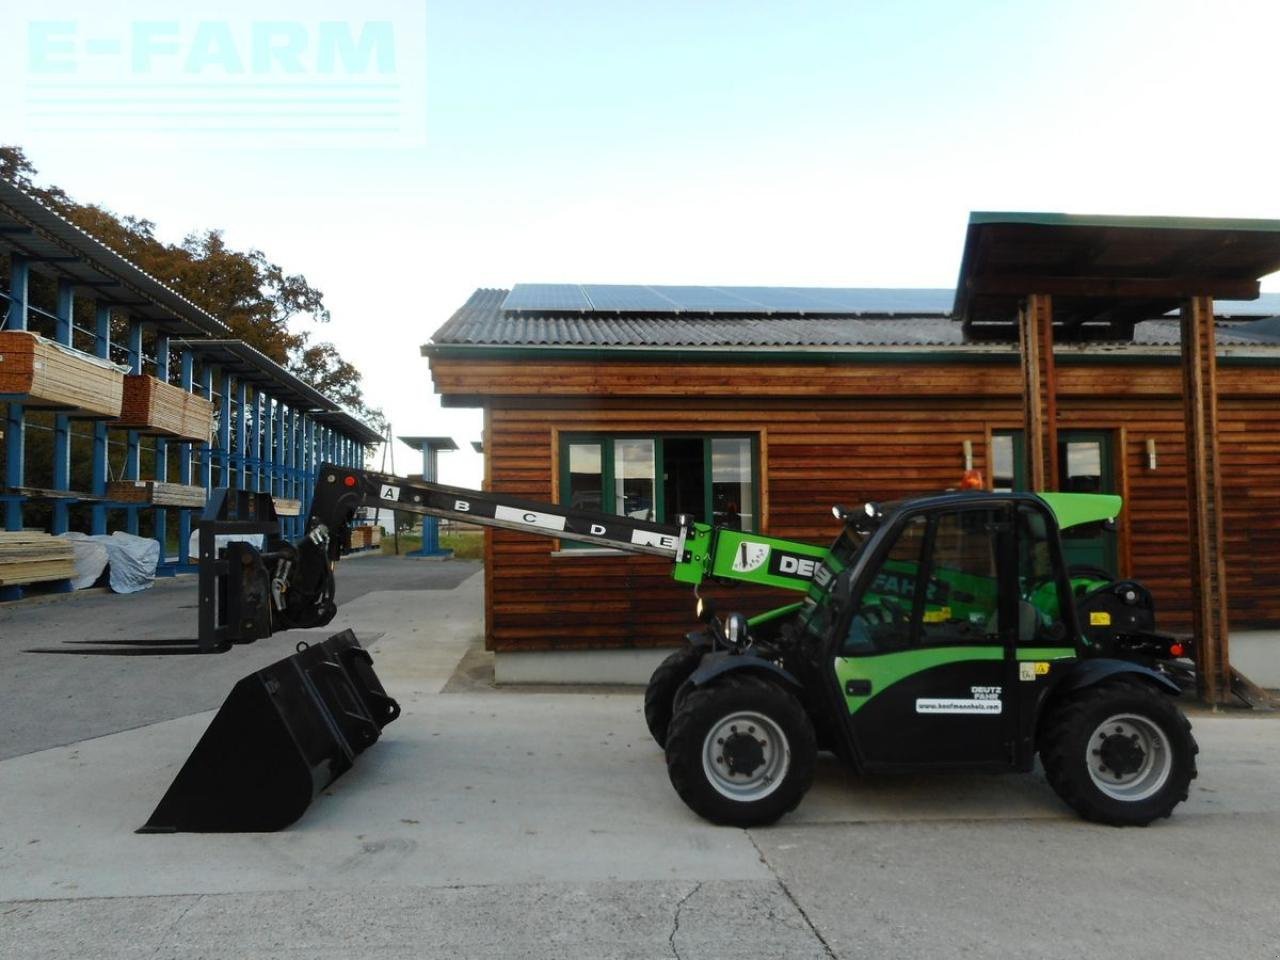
{"x": 160, "y": 941}
{"x": 109, "y": 733}
{"x": 786, "y": 890}
{"x": 675, "y": 920}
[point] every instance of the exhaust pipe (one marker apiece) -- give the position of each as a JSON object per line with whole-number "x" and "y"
{"x": 282, "y": 735}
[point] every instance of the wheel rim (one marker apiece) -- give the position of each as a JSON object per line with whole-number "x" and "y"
{"x": 1128, "y": 757}
{"x": 745, "y": 756}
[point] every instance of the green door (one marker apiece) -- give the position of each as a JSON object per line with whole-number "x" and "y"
{"x": 1086, "y": 465}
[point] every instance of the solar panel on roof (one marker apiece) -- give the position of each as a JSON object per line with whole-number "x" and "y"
{"x": 701, "y": 299}
{"x": 546, "y": 296}
{"x": 741, "y": 301}
{"x": 627, "y": 297}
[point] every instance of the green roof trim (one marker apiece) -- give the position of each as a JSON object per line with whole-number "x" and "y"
{"x": 1073, "y": 509}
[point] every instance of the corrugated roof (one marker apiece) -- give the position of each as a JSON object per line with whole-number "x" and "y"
{"x": 30, "y": 228}
{"x": 481, "y": 321}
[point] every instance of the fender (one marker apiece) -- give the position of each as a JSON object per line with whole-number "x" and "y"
{"x": 698, "y": 639}
{"x": 1081, "y": 675}
{"x": 724, "y": 661}
{"x": 1087, "y": 673}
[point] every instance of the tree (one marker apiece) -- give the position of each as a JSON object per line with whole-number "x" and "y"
{"x": 255, "y": 297}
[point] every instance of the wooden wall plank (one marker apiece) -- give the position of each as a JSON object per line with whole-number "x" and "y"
{"x": 825, "y": 450}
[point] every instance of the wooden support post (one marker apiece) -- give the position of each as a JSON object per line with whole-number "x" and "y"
{"x": 1039, "y": 391}
{"x": 1204, "y": 500}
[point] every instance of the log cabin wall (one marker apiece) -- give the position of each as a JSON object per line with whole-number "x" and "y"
{"x": 850, "y": 431}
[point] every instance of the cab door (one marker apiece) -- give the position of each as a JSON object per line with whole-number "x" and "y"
{"x": 924, "y": 657}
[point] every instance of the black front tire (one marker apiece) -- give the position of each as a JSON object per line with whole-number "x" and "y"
{"x": 1119, "y": 753}
{"x": 660, "y": 694}
{"x": 742, "y": 707}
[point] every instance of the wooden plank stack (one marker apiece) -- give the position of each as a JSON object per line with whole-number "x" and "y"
{"x": 156, "y": 492}
{"x": 364, "y": 537}
{"x": 50, "y": 376}
{"x": 29, "y": 556}
{"x": 287, "y": 508}
{"x": 160, "y": 409}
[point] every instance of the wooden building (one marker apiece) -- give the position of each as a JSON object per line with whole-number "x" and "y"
{"x": 775, "y": 404}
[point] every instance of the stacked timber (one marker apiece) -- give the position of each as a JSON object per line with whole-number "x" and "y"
{"x": 154, "y": 407}
{"x": 156, "y": 492}
{"x": 287, "y": 508}
{"x": 46, "y": 375}
{"x": 29, "y": 556}
{"x": 364, "y": 537}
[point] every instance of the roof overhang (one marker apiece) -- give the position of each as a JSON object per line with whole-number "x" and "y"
{"x": 432, "y": 443}
{"x": 349, "y": 426}
{"x": 252, "y": 366}
{"x": 1107, "y": 269}
{"x": 30, "y": 229}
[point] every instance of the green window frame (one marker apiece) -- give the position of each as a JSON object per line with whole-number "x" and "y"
{"x": 608, "y": 444}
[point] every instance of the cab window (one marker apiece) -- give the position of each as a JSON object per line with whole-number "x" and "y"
{"x": 938, "y": 585}
{"x": 1037, "y": 582}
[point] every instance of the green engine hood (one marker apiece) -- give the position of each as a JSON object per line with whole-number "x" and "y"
{"x": 1073, "y": 509}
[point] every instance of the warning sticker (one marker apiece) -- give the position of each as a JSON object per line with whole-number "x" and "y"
{"x": 1029, "y": 671}
{"x": 1099, "y": 618}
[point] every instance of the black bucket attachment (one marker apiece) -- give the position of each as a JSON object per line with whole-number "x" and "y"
{"x": 281, "y": 736}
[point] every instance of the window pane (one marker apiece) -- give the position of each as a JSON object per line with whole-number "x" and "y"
{"x": 633, "y": 478}
{"x": 1081, "y": 469}
{"x": 1039, "y": 603}
{"x": 732, "y": 493}
{"x": 683, "y": 480}
{"x": 586, "y": 476}
{"x": 883, "y": 618}
{"x": 962, "y": 597}
{"x": 1003, "y": 475}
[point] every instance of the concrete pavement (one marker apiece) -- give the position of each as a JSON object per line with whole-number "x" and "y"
{"x": 529, "y": 824}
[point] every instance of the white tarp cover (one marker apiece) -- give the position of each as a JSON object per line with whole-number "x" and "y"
{"x": 132, "y": 560}
{"x": 90, "y": 558}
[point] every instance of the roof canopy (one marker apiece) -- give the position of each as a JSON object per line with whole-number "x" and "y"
{"x": 30, "y": 229}
{"x": 433, "y": 443}
{"x": 1107, "y": 271}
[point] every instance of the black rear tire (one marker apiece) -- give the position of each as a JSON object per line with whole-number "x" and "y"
{"x": 660, "y": 694}
{"x": 1119, "y": 752}
{"x": 713, "y": 759}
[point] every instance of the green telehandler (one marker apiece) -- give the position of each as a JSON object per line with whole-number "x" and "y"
{"x": 942, "y": 632}
{"x": 938, "y": 633}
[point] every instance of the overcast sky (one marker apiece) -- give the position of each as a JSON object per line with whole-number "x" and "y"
{"x": 837, "y": 144}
